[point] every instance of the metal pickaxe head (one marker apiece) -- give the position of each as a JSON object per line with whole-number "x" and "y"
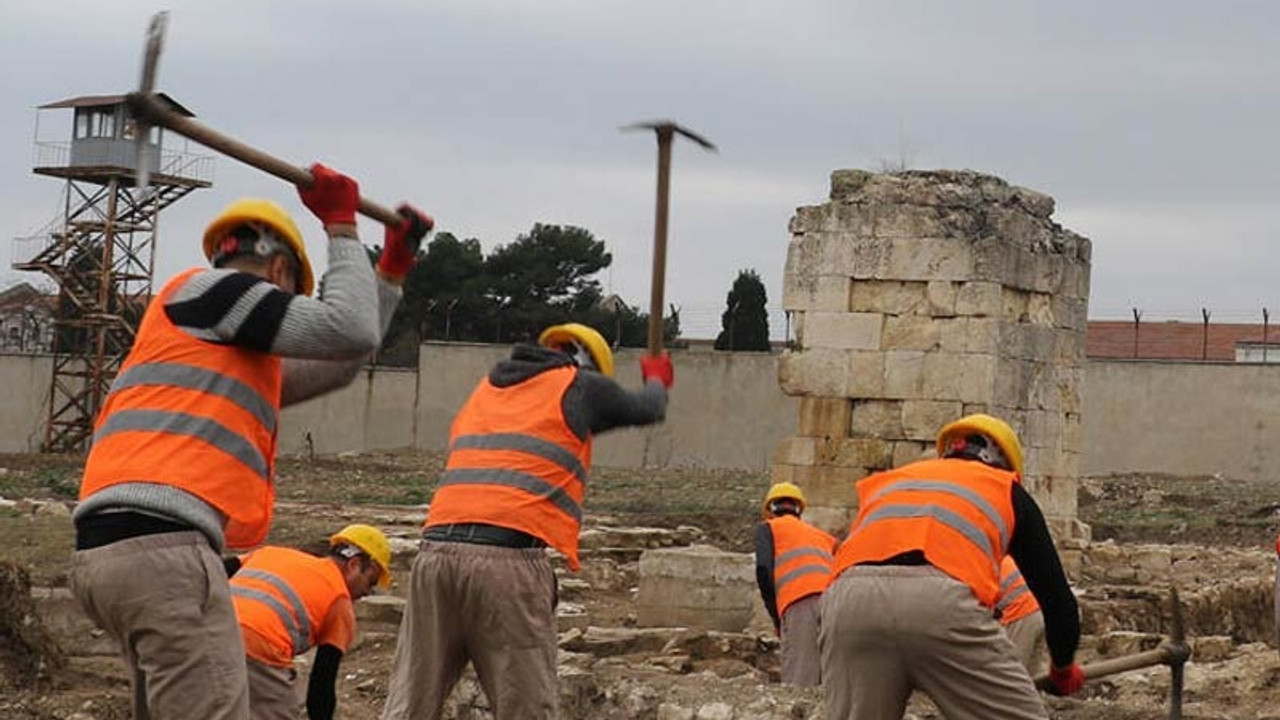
{"x": 667, "y": 128}
{"x": 146, "y": 86}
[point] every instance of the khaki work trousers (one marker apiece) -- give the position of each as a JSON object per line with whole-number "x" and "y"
{"x": 273, "y": 692}
{"x": 165, "y": 599}
{"x": 494, "y": 606}
{"x": 1027, "y": 635}
{"x": 888, "y": 630}
{"x": 801, "y": 660}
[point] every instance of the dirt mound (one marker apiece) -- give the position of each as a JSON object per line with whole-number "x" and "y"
{"x": 28, "y": 653}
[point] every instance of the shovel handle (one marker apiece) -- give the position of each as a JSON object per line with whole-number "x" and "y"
{"x": 148, "y": 108}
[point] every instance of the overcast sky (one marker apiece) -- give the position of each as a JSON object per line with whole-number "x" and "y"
{"x": 1152, "y": 123}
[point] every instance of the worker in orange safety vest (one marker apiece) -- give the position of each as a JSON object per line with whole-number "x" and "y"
{"x": 1019, "y": 614}
{"x": 481, "y": 589}
{"x": 911, "y": 604}
{"x": 288, "y": 601}
{"x": 182, "y": 464}
{"x": 793, "y": 566}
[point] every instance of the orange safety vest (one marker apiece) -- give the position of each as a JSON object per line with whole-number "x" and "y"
{"x": 513, "y": 462}
{"x": 196, "y": 415}
{"x": 959, "y": 513}
{"x": 1015, "y": 600}
{"x": 801, "y": 560}
{"x": 283, "y": 595}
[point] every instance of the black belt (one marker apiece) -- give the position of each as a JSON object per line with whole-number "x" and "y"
{"x": 910, "y": 558}
{"x": 482, "y": 534}
{"x": 109, "y": 527}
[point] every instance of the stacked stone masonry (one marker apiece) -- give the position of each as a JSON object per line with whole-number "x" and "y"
{"x": 916, "y": 298}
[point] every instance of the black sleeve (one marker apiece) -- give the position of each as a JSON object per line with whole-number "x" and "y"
{"x": 764, "y": 572}
{"x": 595, "y": 403}
{"x": 231, "y": 565}
{"x": 1032, "y": 548}
{"x": 209, "y": 309}
{"x": 322, "y": 697}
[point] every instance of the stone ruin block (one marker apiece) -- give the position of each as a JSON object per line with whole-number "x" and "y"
{"x": 919, "y": 297}
{"x": 698, "y": 587}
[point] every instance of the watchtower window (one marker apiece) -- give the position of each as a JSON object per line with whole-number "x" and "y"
{"x": 96, "y": 123}
{"x": 104, "y": 124}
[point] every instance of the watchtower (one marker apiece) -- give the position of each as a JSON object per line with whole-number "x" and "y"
{"x": 100, "y": 251}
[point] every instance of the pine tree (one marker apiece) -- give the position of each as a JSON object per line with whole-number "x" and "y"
{"x": 745, "y": 322}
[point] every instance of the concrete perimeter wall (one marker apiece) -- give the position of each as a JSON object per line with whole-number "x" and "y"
{"x": 1182, "y": 419}
{"x": 727, "y": 411}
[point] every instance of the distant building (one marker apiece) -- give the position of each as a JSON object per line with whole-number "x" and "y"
{"x": 1257, "y": 350}
{"x": 1173, "y": 340}
{"x": 26, "y": 319}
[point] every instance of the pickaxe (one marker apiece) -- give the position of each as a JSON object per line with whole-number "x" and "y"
{"x": 147, "y": 110}
{"x": 666, "y": 130}
{"x": 1174, "y": 652}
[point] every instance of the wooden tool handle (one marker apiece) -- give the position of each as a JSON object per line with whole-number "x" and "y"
{"x": 151, "y": 110}
{"x": 1163, "y": 655}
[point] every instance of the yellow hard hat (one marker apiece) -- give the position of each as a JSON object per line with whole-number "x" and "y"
{"x": 374, "y": 544}
{"x": 271, "y": 215}
{"x": 997, "y": 430}
{"x": 783, "y": 490}
{"x": 587, "y": 337}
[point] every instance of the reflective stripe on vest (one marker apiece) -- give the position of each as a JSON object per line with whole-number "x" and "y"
{"x": 802, "y": 560}
{"x": 943, "y": 486}
{"x": 194, "y": 378}
{"x": 210, "y": 431}
{"x": 194, "y": 415}
{"x": 971, "y": 532}
{"x": 958, "y": 513}
{"x": 1007, "y": 600}
{"x": 523, "y": 443}
{"x": 823, "y": 567}
{"x": 282, "y": 598}
{"x": 510, "y": 478}
{"x": 515, "y": 463}
{"x": 294, "y": 618}
{"x": 1015, "y": 600}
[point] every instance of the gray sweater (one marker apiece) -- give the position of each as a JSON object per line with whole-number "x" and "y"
{"x": 323, "y": 342}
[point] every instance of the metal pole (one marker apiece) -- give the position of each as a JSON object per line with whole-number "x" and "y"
{"x": 1266, "y": 317}
{"x": 1137, "y": 319}
{"x": 1204, "y": 348}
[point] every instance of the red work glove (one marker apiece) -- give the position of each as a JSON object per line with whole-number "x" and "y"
{"x": 332, "y": 197}
{"x": 1066, "y": 681}
{"x": 658, "y": 368}
{"x": 400, "y": 249}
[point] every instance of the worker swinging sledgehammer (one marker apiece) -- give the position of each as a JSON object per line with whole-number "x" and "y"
{"x": 916, "y": 581}
{"x": 481, "y": 589}
{"x": 793, "y": 566}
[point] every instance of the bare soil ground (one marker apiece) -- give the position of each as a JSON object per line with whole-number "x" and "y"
{"x": 1229, "y": 525}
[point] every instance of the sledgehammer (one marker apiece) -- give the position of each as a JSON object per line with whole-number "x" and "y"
{"x": 1174, "y": 652}
{"x": 148, "y": 109}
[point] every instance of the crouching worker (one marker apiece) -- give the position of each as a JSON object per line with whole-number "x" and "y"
{"x": 793, "y": 565}
{"x": 912, "y": 603}
{"x": 288, "y": 601}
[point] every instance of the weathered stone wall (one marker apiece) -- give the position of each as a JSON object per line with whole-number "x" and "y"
{"x": 919, "y": 297}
